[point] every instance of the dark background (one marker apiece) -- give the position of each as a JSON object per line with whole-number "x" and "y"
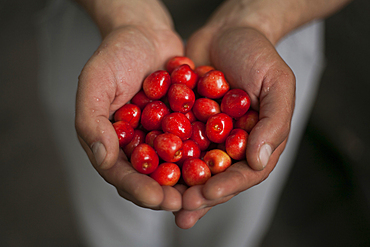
{"x": 326, "y": 201}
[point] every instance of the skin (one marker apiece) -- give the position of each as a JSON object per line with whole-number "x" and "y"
{"x": 239, "y": 39}
{"x": 130, "y": 50}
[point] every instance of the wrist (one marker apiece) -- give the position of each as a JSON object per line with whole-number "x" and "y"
{"x": 274, "y": 19}
{"x": 113, "y": 14}
{"x": 267, "y": 18}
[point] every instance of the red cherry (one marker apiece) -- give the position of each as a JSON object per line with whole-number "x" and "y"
{"x": 138, "y": 138}
{"x": 203, "y": 108}
{"x": 155, "y": 85}
{"x": 180, "y": 98}
{"x": 218, "y": 127}
{"x": 235, "y": 103}
{"x": 167, "y": 174}
{"x": 217, "y": 160}
{"x": 190, "y": 115}
{"x": 183, "y": 74}
{"x": 236, "y": 144}
{"x": 203, "y": 69}
{"x": 189, "y": 128}
{"x": 189, "y": 150}
{"x": 153, "y": 114}
{"x": 247, "y": 121}
{"x": 124, "y": 131}
{"x": 199, "y": 135}
{"x": 176, "y": 123}
{"x": 168, "y": 147}
{"x": 140, "y": 99}
{"x": 129, "y": 113}
{"x": 144, "y": 159}
{"x": 149, "y": 138}
{"x": 213, "y": 85}
{"x": 176, "y": 61}
{"x": 195, "y": 172}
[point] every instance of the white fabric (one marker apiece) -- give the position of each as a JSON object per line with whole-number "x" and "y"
{"x": 67, "y": 39}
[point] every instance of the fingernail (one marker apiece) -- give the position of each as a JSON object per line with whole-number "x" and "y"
{"x": 99, "y": 152}
{"x": 265, "y": 153}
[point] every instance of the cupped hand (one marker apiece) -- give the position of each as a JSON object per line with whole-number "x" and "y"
{"x": 250, "y": 62}
{"x": 110, "y": 79}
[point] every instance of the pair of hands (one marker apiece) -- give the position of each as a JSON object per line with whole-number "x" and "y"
{"x": 114, "y": 74}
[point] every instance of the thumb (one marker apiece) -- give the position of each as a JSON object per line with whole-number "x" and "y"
{"x": 276, "y": 108}
{"x": 92, "y": 118}
{"x": 99, "y": 140}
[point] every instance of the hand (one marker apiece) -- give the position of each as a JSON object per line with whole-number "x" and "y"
{"x": 250, "y": 62}
{"x": 239, "y": 40}
{"x": 109, "y": 80}
{"x": 139, "y": 39}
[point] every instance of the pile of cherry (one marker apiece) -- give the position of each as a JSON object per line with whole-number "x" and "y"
{"x": 185, "y": 123}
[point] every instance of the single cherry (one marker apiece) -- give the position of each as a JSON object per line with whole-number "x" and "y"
{"x": 203, "y": 69}
{"x": 144, "y": 159}
{"x": 247, "y": 121}
{"x": 235, "y": 103}
{"x": 218, "y": 127}
{"x": 153, "y": 114}
{"x": 176, "y": 61}
{"x": 139, "y": 137}
{"x": 213, "y": 85}
{"x": 189, "y": 150}
{"x": 203, "y": 108}
{"x": 168, "y": 147}
{"x": 140, "y": 99}
{"x": 129, "y": 113}
{"x": 183, "y": 74}
{"x": 195, "y": 172}
{"x": 180, "y": 98}
{"x": 155, "y": 85}
{"x": 149, "y": 138}
{"x": 176, "y": 123}
{"x": 167, "y": 174}
{"x": 190, "y": 115}
{"x": 199, "y": 135}
{"x": 236, "y": 144}
{"x": 124, "y": 131}
{"x": 217, "y": 160}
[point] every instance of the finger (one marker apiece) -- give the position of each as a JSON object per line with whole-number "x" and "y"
{"x": 172, "y": 200}
{"x": 187, "y": 219}
{"x": 272, "y": 129}
{"x": 193, "y": 199}
{"x": 252, "y": 63}
{"x": 168, "y": 199}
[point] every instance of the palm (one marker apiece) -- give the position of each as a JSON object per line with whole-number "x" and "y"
{"x": 109, "y": 80}
{"x": 250, "y": 62}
